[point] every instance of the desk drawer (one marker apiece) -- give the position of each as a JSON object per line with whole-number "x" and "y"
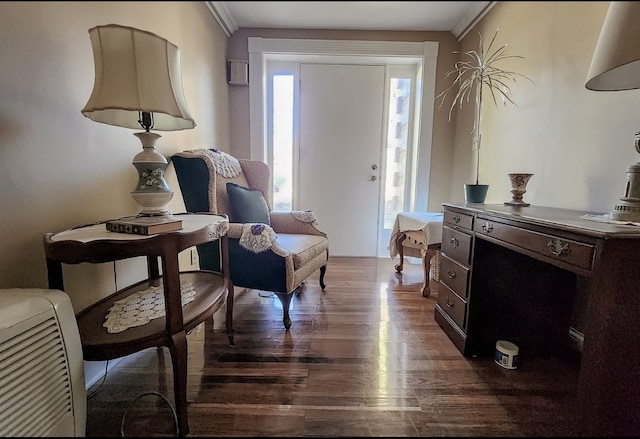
{"x": 452, "y": 305}
{"x": 552, "y": 247}
{"x": 454, "y": 275}
{"x": 456, "y": 245}
{"x": 458, "y": 220}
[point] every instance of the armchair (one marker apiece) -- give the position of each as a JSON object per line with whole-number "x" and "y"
{"x": 268, "y": 250}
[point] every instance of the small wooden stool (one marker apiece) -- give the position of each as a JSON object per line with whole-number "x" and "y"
{"x": 412, "y": 243}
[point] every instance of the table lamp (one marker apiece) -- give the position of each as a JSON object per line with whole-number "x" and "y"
{"x": 616, "y": 66}
{"x": 138, "y": 83}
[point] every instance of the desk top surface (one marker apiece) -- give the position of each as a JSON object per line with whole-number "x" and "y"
{"x": 559, "y": 218}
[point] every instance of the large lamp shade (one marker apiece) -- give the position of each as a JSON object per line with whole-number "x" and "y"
{"x": 616, "y": 60}
{"x": 136, "y": 70}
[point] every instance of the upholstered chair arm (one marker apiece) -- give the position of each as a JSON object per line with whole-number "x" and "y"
{"x": 302, "y": 222}
{"x": 235, "y": 230}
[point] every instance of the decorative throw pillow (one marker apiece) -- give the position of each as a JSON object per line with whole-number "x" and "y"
{"x": 247, "y": 205}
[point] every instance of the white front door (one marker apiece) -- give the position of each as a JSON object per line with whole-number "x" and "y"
{"x": 407, "y": 129}
{"x": 340, "y": 147}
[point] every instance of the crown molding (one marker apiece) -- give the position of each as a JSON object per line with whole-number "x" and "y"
{"x": 471, "y": 18}
{"x": 460, "y": 30}
{"x": 222, "y": 16}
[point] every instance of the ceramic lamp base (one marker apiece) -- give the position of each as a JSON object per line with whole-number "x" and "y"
{"x": 152, "y": 203}
{"x": 152, "y": 192}
{"x": 628, "y": 209}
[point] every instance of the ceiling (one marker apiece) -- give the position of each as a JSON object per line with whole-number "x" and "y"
{"x": 453, "y": 16}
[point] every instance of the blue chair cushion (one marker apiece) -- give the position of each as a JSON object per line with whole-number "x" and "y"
{"x": 247, "y": 205}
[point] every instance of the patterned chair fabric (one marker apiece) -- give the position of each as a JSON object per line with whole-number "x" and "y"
{"x": 278, "y": 257}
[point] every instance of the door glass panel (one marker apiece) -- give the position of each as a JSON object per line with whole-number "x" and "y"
{"x": 282, "y": 142}
{"x": 397, "y": 148}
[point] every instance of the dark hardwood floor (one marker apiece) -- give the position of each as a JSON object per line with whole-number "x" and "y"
{"x": 363, "y": 358}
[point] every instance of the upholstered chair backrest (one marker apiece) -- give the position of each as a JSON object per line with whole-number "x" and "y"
{"x": 223, "y": 168}
{"x": 258, "y": 177}
{"x": 220, "y": 187}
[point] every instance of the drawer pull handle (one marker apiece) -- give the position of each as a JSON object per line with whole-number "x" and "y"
{"x": 449, "y": 303}
{"x": 454, "y": 242}
{"x": 557, "y": 247}
{"x": 451, "y": 273}
{"x": 456, "y": 218}
{"x": 487, "y": 227}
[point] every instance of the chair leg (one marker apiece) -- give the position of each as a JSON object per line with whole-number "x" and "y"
{"x": 399, "y": 240}
{"x": 229, "y": 316}
{"x": 285, "y": 299}
{"x": 323, "y": 269}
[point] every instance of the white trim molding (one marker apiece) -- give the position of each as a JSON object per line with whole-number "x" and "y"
{"x": 471, "y": 18}
{"x": 354, "y": 51}
{"x": 460, "y": 30}
{"x": 223, "y": 17}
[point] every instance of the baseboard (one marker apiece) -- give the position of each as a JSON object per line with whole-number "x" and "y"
{"x": 94, "y": 371}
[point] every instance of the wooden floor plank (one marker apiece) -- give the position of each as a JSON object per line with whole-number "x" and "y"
{"x": 365, "y": 357}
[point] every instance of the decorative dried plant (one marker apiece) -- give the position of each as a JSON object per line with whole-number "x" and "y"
{"x": 478, "y": 70}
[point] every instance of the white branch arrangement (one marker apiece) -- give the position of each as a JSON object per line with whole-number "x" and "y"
{"x": 478, "y": 69}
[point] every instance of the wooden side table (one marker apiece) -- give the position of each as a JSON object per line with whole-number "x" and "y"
{"x": 427, "y": 252}
{"x": 94, "y": 244}
{"x": 418, "y": 234}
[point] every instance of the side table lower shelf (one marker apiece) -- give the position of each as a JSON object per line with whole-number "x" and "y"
{"x": 98, "y": 344}
{"x": 212, "y": 291}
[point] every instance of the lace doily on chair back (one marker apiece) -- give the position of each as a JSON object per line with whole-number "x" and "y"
{"x": 222, "y": 167}
{"x": 225, "y": 164}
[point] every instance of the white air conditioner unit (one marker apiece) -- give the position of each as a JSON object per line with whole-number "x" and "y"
{"x": 42, "y": 386}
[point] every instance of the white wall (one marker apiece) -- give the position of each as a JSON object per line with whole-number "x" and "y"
{"x": 577, "y": 143}
{"x": 59, "y": 169}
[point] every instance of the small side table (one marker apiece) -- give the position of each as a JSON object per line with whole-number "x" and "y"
{"x": 94, "y": 244}
{"x": 418, "y": 234}
{"x": 429, "y": 254}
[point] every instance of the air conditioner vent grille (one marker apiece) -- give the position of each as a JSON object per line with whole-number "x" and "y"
{"x": 34, "y": 377}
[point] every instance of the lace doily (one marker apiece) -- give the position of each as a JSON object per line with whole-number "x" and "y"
{"x": 224, "y": 164}
{"x": 606, "y": 218}
{"x": 220, "y": 230}
{"x": 142, "y": 307}
{"x": 257, "y": 237}
{"x": 306, "y": 216}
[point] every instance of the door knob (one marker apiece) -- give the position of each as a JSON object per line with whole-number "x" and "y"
{"x": 373, "y": 178}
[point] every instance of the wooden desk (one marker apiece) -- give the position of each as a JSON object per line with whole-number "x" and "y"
{"x": 417, "y": 234}
{"x": 94, "y": 244}
{"x": 512, "y": 272}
